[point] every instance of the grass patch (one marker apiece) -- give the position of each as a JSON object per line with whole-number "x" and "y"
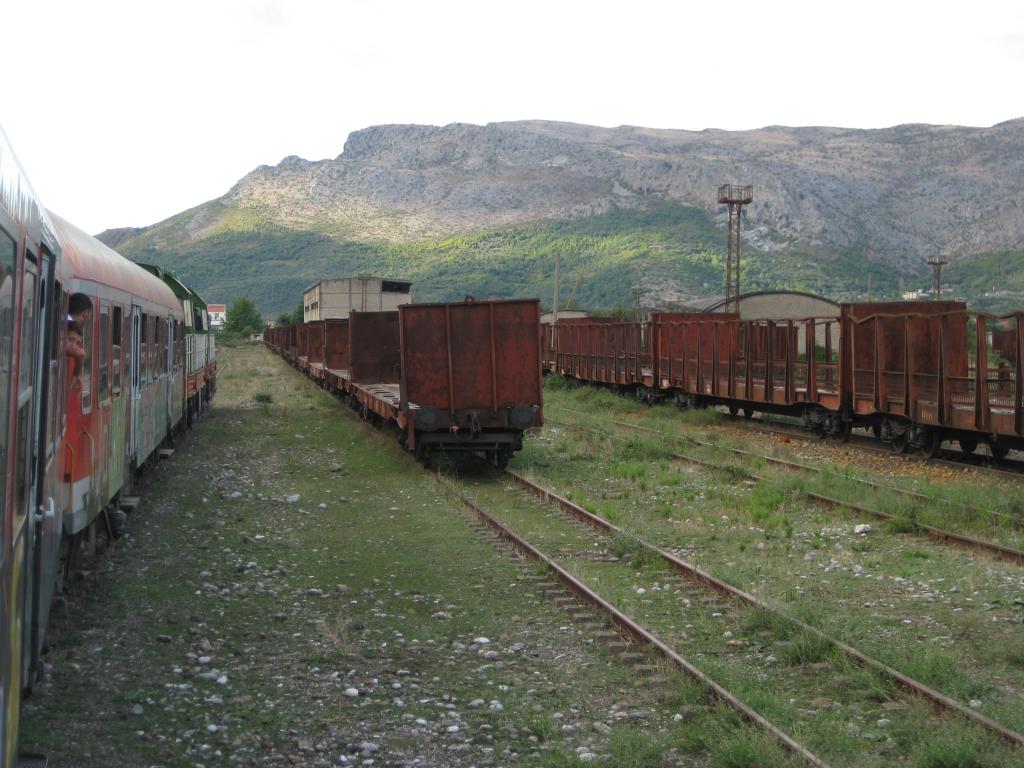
{"x": 806, "y": 648}
{"x": 746, "y": 751}
{"x": 625, "y": 546}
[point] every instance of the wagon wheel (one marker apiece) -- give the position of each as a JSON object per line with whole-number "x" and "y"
{"x": 968, "y": 446}
{"x": 876, "y": 430}
{"x": 929, "y": 443}
{"x": 900, "y": 444}
{"x": 998, "y": 451}
{"x": 820, "y": 428}
{"x": 502, "y": 459}
{"x": 733, "y": 410}
{"x": 748, "y": 413}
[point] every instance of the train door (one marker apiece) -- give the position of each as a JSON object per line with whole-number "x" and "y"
{"x": 45, "y": 529}
{"x": 168, "y": 353}
{"x": 9, "y": 672}
{"x": 136, "y": 388}
{"x": 21, "y": 477}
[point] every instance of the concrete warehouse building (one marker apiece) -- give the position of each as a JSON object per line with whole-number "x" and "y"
{"x": 771, "y": 305}
{"x": 781, "y": 306}
{"x": 335, "y": 298}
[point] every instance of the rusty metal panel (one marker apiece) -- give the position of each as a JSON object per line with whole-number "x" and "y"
{"x": 480, "y": 356}
{"x": 336, "y": 345}
{"x": 315, "y": 341}
{"x": 373, "y": 343}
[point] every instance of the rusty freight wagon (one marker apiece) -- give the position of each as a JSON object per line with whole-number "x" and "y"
{"x": 471, "y": 376}
{"x": 459, "y": 377}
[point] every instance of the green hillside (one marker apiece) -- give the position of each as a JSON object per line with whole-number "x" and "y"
{"x": 672, "y": 251}
{"x": 993, "y": 282}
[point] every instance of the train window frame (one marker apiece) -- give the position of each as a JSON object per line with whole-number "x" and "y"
{"x": 56, "y": 382}
{"x": 103, "y": 387}
{"x": 8, "y": 289}
{"x": 29, "y": 341}
{"x": 144, "y": 350}
{"x": 88, "y": 336}
{"x": 116, "y": 342}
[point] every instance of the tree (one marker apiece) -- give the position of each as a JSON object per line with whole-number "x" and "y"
{"x": 243, "y": 318}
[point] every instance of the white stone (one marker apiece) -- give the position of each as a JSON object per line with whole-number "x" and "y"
{"x": 351, "y": 692}
{"x": 862, "y": 528}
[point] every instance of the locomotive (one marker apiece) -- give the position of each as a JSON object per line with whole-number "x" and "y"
{"x": 94, "y": 381}
{"x": 916, "y": 373}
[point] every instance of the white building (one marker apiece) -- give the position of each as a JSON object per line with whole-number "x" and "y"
{"x": 333, "y": 299}
{"x": 218, "y": 314}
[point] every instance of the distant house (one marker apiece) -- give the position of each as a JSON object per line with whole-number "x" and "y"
{"x": 218, "y": 314}
{"x": 335, "y": 298}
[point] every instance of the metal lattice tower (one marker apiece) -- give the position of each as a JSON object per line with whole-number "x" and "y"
{"x": 937, "y": 263}
{"x": 735, "y": 196}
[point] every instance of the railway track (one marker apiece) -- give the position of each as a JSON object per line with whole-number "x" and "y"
{"x": 994, "y": 549}
{"x": 814, "y": 675}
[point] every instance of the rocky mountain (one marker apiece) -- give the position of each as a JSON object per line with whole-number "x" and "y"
{"x": 892, "y": 196}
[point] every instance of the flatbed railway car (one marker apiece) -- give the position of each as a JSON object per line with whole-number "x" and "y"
{"x": 915, "y": 373}
{"x": 451, "y": 377}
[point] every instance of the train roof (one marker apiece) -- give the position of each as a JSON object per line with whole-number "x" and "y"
{"x": 18, "y": 200}
{"x": 180, "y": 289}
{"x": 89, "y": 259}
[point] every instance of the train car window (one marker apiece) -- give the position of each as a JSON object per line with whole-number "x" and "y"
{"x": 179, "y": 341}
{"x": 104, "y": 350}
{"x": 144, "y": 347}
{"x": 26, "y": 373}
{"x": 8, "y": 252}
{"x": 57, "y": 325}
{"x": 116, "y": 328}
{"x": 87, "y": 344}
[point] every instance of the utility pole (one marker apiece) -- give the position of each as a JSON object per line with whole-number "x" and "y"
{"x": 637, "y": 293}
{"x": 554, "y": 302}
{"x": 735, "y": 196}
{"x": 937, "y": 263}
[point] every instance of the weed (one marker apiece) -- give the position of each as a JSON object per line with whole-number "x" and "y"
{"x": 628, "y": 547}
{"x": 744, "y": 751}
{"x": 904, "y": 523}
{"x": 630, "y": 749}
{"x": 806, "y": 648}
{"x": 764, "y": 620}
{"x": 263, "y": 397}
{"x": 950, "y": 752}
{"x": 543, "y": 728}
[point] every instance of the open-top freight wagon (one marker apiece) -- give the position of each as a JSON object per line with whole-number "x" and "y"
{"x": 915, "y": 373}
{"x": 452, "y": 377}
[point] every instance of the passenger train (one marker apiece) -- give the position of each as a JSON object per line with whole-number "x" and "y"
{"x": 90, "y": 396}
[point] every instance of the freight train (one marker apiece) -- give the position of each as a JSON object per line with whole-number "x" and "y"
{"x": 459, "y": 377}
{"x": 914, "y": 373}
{"x": 95, "y": 380}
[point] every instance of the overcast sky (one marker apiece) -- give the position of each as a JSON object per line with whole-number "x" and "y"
{"x": 126, "y": 112}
